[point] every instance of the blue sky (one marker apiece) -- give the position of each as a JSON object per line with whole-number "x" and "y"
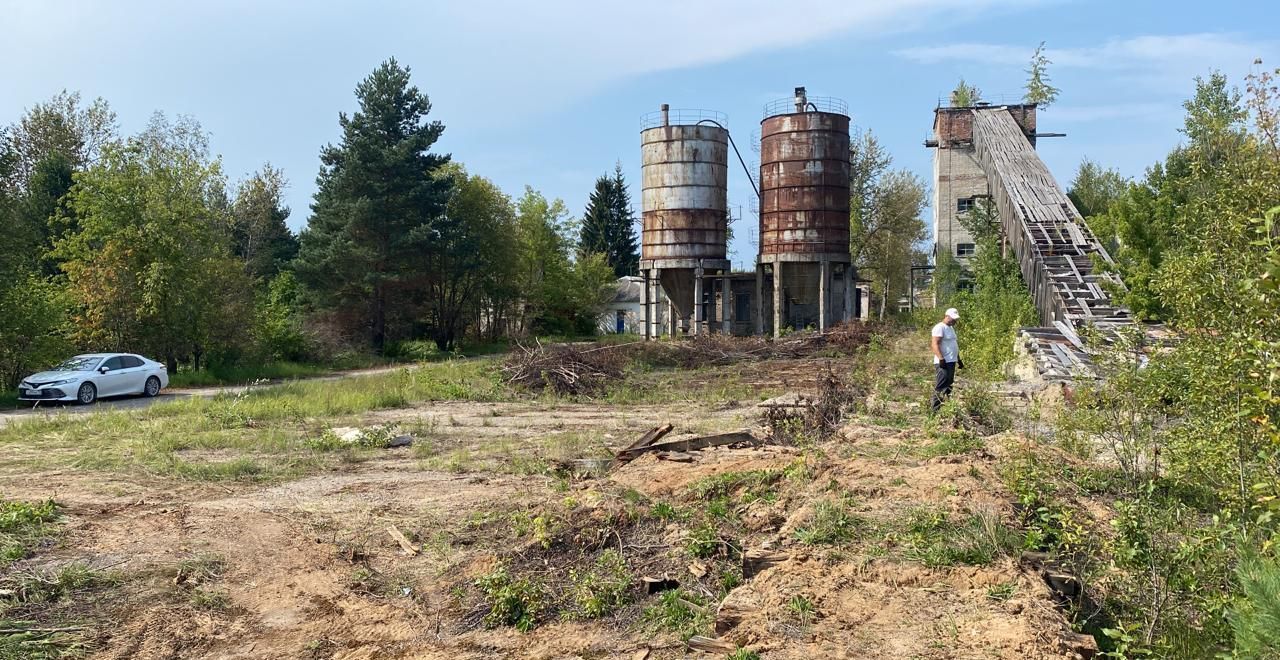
{"x": 549, "y": 94}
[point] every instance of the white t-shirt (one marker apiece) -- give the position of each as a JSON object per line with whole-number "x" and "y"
{"x": 949, "y": 346}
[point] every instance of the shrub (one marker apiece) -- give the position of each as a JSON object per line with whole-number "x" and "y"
{"x": 602, "y": 589}
{"x": 513, "y": 602}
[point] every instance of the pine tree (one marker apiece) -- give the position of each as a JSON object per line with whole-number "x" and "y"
{"x": 1039, "y": 91}
{"x": 965, "y": 95}
{"x": 608, "y": 225}
{"x": 378, "y": 208}
{"x": 261, "y": 237}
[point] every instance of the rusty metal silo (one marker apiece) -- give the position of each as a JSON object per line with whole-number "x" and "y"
{"x": 804, "y": 209}
{"x": 684, "y": 190}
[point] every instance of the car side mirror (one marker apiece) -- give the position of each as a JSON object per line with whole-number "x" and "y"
{"x": 103, "y": 370}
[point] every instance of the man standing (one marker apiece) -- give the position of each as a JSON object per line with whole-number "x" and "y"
{"x": 946, "y": 356}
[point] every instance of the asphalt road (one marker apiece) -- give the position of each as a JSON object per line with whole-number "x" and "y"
{"x": 26, "y": 410}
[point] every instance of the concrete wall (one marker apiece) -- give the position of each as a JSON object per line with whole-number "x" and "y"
{"x": 633, "y": 318}
{"x": 956, "y": 175}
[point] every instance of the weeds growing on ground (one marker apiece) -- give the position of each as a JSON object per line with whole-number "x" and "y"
{"x": 22, "y": 526}
{"x": 515, "y": 602}
{"x": 601, "y": 589}
{"x": 832, "y": 523}
{"x": 680, "y": 612}
{"x": 934, "y": 539}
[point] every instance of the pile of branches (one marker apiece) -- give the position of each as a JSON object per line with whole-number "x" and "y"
{"x": 565, "y": 368}
{"x": 814, "y": 417}
{"x": 586, "y": 369}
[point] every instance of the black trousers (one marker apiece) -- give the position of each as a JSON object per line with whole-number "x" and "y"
{"x": 944, "y": 378}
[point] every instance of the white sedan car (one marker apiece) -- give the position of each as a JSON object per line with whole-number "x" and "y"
{"x": 84, "y": 378}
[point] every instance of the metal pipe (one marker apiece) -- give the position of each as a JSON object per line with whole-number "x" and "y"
{"x": 736, "y": 153}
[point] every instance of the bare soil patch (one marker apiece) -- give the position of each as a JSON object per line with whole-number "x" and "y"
{"x": 307, "y": 569}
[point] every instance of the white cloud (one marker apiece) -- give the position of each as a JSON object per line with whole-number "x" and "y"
{"x": 1155, "y": 57}
{"x": 593, "y": 43}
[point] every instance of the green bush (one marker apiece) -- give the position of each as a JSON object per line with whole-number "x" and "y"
{"x": 602, "y": 589}
{"x": 515, "y": 602}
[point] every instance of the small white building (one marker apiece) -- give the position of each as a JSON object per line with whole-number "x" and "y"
{"x": 624, "y": 313}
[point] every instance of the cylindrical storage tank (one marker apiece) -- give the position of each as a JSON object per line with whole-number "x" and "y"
{"x": 684, "y": 191}
{"x": 684, "y": 197}
{"x": 804, "y": 183}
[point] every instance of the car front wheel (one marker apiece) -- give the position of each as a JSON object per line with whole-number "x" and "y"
{"x": 87, "y": 394}
{"x": 152, "y": 387}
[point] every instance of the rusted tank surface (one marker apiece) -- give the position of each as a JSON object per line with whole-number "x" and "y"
{"x": 684, "y": 171}
{"x": 804, "y": 184}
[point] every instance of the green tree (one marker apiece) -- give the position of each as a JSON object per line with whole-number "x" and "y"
{"x": 469, "y": 243}
{"x": 42, "y": 212}
{"x": 868, "y": 162}
{"x": 608, "y": 225}
{"x": 885, "y": 225}
{"x": 1039, "y": 89}
{"x": 1195, "y": 420}
{"x": 258, "y": 214}
{"x": 151, "y": 269}
{"x": 278, "y": 324}
{"x": 965, "y": 95}
{"x": 376, "y": 219}
{"x": 542, "y": 261}
{"x": 1094, "y": 189}
{"x": 63, "y": 126}
{"x": 1154, "y": 218}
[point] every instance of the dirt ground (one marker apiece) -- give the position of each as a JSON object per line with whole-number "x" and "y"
{"x": 308, "y": 569}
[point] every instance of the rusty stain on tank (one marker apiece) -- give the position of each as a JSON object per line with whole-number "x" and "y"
{"x": 804, "y": 184}
{"x": 684, "y": 172}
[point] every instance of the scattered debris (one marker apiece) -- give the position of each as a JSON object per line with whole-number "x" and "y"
{"x": 698, "y": 569}
{"x": 732, "y": 612}
{"x": 677, "y": 450}
{"x": 1081, "y": 644}
{"x": 400, "y": 441}
{"x": 789, "y": 417}
{"x": 404, "y": 542}
{"x": 653, "y": 585}
{"x": 653, "y": 435}
{"x": 708, "y": 645}
{"x": 755, "y": 561}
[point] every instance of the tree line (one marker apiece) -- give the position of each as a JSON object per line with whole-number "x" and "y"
{"x": 141, "y": 243}
{"x": 1193, "y": 425}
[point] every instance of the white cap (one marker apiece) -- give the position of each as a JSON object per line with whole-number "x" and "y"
{"x": 953, "y": 313}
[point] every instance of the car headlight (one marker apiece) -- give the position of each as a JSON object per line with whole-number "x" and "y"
{"x": 61, "y": 382}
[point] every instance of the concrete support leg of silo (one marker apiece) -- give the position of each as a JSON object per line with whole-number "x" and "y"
{"x": 644, "y": 303}
{"x": 824, "y": 293}
{"x": 699, "y": 309}
{"x": 849, "y": 311}
{"x": 759, "y": 301}
{"x": 777, "y": 299}
{"x": 726, "y": 304}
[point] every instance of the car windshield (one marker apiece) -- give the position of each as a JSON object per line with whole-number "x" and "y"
{"x": 78, "y": 363}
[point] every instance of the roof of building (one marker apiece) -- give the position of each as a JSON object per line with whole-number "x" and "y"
{"x": 629, "y": 289}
